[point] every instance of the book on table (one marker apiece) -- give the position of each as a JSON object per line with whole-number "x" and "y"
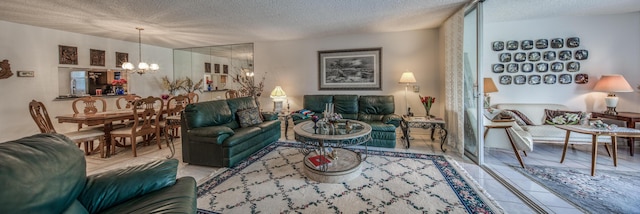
{"x": 319, "y": 160}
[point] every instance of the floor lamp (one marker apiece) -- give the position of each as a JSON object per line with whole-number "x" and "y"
{"x": 407, "y": 78}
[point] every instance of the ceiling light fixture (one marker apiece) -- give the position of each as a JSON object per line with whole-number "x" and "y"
{"x": 143, "y": 67}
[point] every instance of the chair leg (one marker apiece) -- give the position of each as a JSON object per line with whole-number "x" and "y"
{"x": 515, "y": 150}
{"x": 525, "y": 153}
{"x": 86, "y": 148}
{"x": 133, "y": 146}
{"x": 158, "y": 139}
{"x": 606, "y": 147}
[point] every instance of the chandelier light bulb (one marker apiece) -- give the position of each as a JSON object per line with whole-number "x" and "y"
{"x": 143, "y": 66}
{"x": 154, "y": 67}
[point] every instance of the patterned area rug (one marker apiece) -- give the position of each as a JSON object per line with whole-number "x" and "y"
{"x": 607, "y": 192}
{"x": 273, "y": 181}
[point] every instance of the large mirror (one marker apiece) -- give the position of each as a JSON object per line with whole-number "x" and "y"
{"x": 214, "y": 65}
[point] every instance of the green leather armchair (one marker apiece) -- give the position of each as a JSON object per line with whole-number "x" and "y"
{"x": 45, "y": 173}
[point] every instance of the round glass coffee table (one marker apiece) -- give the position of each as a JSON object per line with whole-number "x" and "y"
{"x": 326, "y": 159}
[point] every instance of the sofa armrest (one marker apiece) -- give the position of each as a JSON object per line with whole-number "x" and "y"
{"x": 179, "y": 198}
{"x": 392, "y": 119}
{"x": 220, "y": 133}
{"x": 113, "y": 187}
{"x": 268, "y": 116}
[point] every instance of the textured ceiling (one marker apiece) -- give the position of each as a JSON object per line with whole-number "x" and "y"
{"x": 193, "y": 23}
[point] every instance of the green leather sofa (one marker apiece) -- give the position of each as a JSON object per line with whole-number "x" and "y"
{"x": 376, "y": 110}
{"x": 46, "y": 173}
{"x": 212, "y": 136}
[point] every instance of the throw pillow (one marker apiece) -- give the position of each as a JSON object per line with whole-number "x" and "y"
{"x": 517, "y": 116}
{"x": 249, "y": 117}
{"x": 561, "y": 117}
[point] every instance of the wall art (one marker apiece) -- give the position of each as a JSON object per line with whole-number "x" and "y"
{"x": 550, "y": 79}
{"x": 573, "y": 66}
{"x": 534, "y": 79}
{"x": 216, "y": 68}
{"x": 564, "y": 78}
{"x": 5, "y": 69}
{"x": 512, "y": 45}
{"x": 497, "y": 68}
{"x": 26, "y": 74}
{"x": 557, "y": 66}
{"x": 505, "y": 80}
{"x": 350, "y": 69}
{"x": 557, "y": 43}
{"x": 520, "y": 57}
{"x": 497, "y": 45}
{"x": 549, "y": 56}
{"x": 97, "y": 57}
{"x": 542, "y": 43}
{"x": 581, "y": 54}
{"x": 225, "y": 69}
{"x": 519, "y": 79}
{"x": 573, "y": 42}
{"x": 121, "y": 58}
{"x": 582, "y": 78}
{"x": 526, "y": 44}
{"x": 564, "y": 55}
{"x": 207, "y": 67}
{"x": 67, "y": 55}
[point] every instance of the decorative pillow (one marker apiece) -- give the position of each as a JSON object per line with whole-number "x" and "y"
{"x": 249, "y": 117}
{"x": 561, "y": 117}
{"x": 517, "y": 116}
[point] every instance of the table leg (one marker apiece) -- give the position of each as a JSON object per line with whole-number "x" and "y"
{"x": 107, "y": 138}
{"x": 286, "y": 127}
{"x": 433, "y": 129}
{"x": 405, "y": 133}
{"x": 594, "y": 153}
{"x": 614, "y": 143}
{"x": 630, "y": 142}
{"x": 566, "y": 144}
{"x": 444, "y": 138}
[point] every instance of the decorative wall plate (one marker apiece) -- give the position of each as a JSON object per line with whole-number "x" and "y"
{"x": 505, "y": 80}
{"x": 581, "y": 54}
{"x": 513, "y": 67}
{"x": 542, "y": 44}
{"x": 573, "y": 66}
{"x": 564, "y": 78}
{"x": 564, "y": 55}
{"x": 550, "y": 79}
{"x": 526, "y": 44}
{"x": 498, "y": 45}
{"x": 534, "y": 56}
{"x": 582, "y": 78}
{"x": 549, "y": 56}
{"x": 519, "y": 57}
{"x": 542, "y": 67}
{"x": 573, "y": 42}
{"x": 512, "y": 45}
{"x": 506, "y": 57}
{"x": 534, "y": 79}
{"x": 527, "y": 67}
{"x": 557, "y": 43}
{"x": 519, "y": 79}
{"x": 497, "y": 68}
{"x": 557, "y": 66}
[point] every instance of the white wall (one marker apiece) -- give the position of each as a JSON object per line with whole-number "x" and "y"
{"x": 30, "y": 48}
{"x": 613, "y": 42}
{"x": 294, "y": 66}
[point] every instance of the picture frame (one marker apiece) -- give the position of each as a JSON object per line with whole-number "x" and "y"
{"x": 350, "y": 69}
{"x": 207, "y": 67}
{"x": 25, "y": 74}
{"x": 96, "y": 57}
{"x": 67, "y": 55}
{"x": 121, "y": 58}
{"x": 225, "y": 69}
{"x": 216, "y": 68}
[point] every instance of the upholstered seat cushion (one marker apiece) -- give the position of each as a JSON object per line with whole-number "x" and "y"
{"x": 380, "y": 126}
{"x": 241, "y": 135}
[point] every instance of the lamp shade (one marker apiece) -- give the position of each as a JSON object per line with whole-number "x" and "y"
{"x": 407, "y": 77}
{"x": 613, "y": 83}
{"x": 489, "y": 86}
{"x": 278, "y": 93}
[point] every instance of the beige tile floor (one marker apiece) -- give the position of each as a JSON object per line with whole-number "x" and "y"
{"x": 420, "y": 144}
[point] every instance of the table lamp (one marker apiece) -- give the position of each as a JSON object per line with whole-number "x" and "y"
{"x": 407, "y": 78}
{"x": 489, "y": 87}
{"x": 278, "y": 96}
{"x": 612, "y": 83}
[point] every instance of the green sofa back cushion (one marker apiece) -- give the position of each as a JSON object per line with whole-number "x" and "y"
{"x": 374, "y": 107}
{"x": 346, "y": 105}
{"x": 113, "y": 187}
{"x": 210, "y": 113}
{"x": 43, "y": 173}
{"x": 316, "y": 103}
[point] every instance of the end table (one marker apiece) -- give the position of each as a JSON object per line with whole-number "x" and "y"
{"x": 285, "y": 117}
{"x": 422, "y": 122}
{"x": 630, "y": 117}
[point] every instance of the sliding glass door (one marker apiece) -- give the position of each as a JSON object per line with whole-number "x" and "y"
{"x": 472, "y": 134}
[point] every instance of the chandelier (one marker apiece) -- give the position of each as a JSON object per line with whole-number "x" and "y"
{"x": 143, "y": 67}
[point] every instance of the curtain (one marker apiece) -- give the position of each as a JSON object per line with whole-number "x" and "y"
{"x": 451, "y": 39}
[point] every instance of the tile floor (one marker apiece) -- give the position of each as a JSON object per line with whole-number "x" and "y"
{"x": 420, "y": 144}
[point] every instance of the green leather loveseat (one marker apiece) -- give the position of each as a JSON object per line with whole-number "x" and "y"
{"x": 46, "y": 173}
{"x": 375, "y": 110}
{"x": 212, "y": 135}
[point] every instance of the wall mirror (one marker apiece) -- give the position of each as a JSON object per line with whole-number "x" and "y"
{"x": 77, "y": 82}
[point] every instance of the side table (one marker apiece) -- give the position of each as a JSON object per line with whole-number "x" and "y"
{"x": 285, "y": 116}
{"x": 630, "y": 117}
{"x": 422, "y": 122}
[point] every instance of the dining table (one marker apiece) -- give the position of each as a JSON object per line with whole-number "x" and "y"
{"x": 106, "y": 118}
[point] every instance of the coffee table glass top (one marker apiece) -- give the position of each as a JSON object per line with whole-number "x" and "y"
{"x": 359, "y": 133}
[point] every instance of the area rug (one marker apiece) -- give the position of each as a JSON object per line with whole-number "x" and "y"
{"x": 272, "y": 181}
{"x": 607, "y": 192}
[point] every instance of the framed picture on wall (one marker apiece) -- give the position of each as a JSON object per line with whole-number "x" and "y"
{"x": 97, "y": 57}
{"x": 225, "y": 69}
{"x": 67, "y": 55}
{"x": 216, "y": 68}
{"x": 121, "y": 58}
{"x": 207, "y": 67}
{"x": 350, "y": 69}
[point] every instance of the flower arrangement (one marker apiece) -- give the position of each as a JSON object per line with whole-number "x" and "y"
{"x": 427, "y": 102}
{"x": 172, "y": 87}
{"x": 332, "y": 117}
{"x": 189, "y": 87}
{"x": 119, "y": 82}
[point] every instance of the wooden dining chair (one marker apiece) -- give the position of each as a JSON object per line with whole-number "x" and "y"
{"x": 126, "y": 102}
{"x": 89, "y": 105}
{"x": 146, "y": 123}
{"x": 40, "y": 115}
{"x": 231, "y": 94}
{"x": 193, "y": 97}
{"x": 174, "y": 107}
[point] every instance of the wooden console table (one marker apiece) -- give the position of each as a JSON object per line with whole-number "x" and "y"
{"x": 630, "y": 117}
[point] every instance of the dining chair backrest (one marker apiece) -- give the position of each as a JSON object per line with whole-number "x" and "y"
{"x": 126, "y": 102}
{"x": 176, "y": 104}
{"x": 231, "y": 94}
{"x": 193, "y": 97}
{"x": 146, "y": 115}
{"x": 41, "y": 117}
{"x": 92, "y": 105}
